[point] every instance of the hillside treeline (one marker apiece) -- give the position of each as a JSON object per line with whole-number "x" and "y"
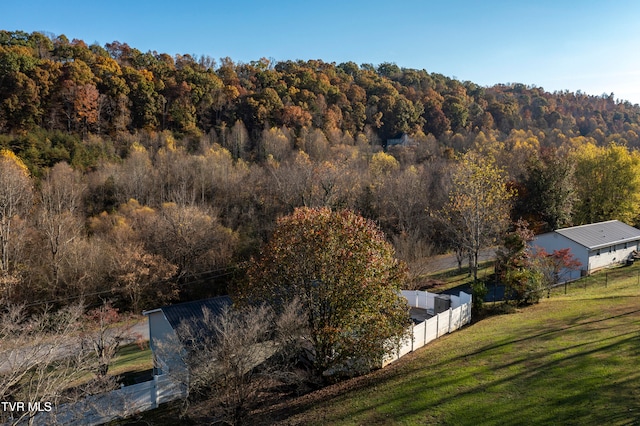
{"x": 134, "y": 175}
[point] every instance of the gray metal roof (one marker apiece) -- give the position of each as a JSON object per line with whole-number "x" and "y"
{"x": 191, "y": 313}
{"x": 602, "y": 234}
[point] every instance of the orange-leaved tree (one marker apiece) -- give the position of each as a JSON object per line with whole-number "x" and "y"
{"x": 344, "y": 271}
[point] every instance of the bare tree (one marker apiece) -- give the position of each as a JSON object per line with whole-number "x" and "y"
{"x": 106, "y": 331}
{"x": 144, "y": 278}
{"x": 233, "y": 357}
{"x": 40, "y": 358}
{"x": 135, "y": 176}
{"x": 87, "y": 267}
{"x": 416, "y": 251}
{"x": 16, "y": 196}
{"x": 59, "y": 218}
{"x": 238, "y": 140}
{"x": 275, "y": 143}
{"x": 175, "y": 177}
{"x": 191, "y": 238}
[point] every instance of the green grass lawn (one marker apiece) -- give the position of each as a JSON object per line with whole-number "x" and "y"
{"x": 572, "y": 359}
{"x": 131, "y": 362}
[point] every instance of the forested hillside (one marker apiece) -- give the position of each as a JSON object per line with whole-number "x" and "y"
{"x": 135, "y": 175}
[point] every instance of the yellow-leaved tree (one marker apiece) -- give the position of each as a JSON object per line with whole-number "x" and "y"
{"x": 16, "y": 195}
{"x": 477, "y": 212}
{"x": 607, "y": 184}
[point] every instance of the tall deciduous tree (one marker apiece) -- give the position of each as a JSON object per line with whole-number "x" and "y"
{"x": 479, "y": 205}
{"x": 607, "y": 184}
{"x": 549, "y": 192}
{"x": 40, "y": 358}
{"x": 105, "y": 331}
{"x": 191, "y": 238}
{"x": 344, "y": 271}
{"x": 59, "y": 218}
{"x": 15, "y": 200}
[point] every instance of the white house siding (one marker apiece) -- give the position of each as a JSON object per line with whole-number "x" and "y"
{"x": 552, "y": 241}
{"x": 591, "y": 259}
{"x": 606, "y": 256}
{"x": 161, "y": 333}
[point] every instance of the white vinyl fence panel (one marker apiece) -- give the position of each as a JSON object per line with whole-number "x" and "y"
{"x": 420, "y": 299}
{"x": 420, "y": 334}
{"x": 119, "y": 403}
{"x": 431, "y": 327}
{"x": 444, "y": 325}
{"x": 446, "y": 322}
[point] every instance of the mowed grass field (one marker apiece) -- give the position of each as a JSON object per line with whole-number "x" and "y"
{"x": 572, "y": 359}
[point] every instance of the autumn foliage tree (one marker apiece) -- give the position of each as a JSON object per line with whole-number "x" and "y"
{"x": 555, "y": 266}
{"x": 607, "y": 183}
{"x": 107, "y": 331}
{"x": 515, "y": 266}
{"x": 16, "y": 195}
{"x": 528, "y": 270}
{"x": 479, "y": 204}
{"x": 215, "y": 152}
{"x": 344, "y": 271}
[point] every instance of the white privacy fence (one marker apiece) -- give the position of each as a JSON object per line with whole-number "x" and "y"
{"x": 120, "y": 403}
{"x": 124, "y": 402}
{"x": 458, "y": 315}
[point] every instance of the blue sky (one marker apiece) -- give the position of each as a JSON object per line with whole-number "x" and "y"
{"x": 587, "y": 45}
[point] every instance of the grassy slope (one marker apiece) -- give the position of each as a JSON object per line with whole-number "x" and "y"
{"x": 132, "y": 359}
{"x": 572, "y": 359}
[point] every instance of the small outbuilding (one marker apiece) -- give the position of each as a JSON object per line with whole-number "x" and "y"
{"x": 596, "y": 245}
{"x": 165, "y": 337}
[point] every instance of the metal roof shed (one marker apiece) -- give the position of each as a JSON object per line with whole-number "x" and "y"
{"x": 596, "y": 245}
{"x": 164, "y": 329}
{"x": 602, "y": 234}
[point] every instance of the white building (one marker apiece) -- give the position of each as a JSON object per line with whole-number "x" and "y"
{"x": 596, "y": 246}
{"x": 165, "y": 338}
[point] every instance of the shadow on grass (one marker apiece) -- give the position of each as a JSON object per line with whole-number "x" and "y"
{"x": 530, "y": 374}
{"x": 487, "y": 369}
{"x": 554, "y": 331}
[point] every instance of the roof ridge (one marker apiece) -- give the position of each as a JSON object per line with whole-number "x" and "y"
{"x": 590, "y": 224}
{"x": 600, "y": 234}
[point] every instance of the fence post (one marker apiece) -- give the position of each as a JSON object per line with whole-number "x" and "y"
{"x": 606, "y": 279}
{"x": 154, "y": 392}
{"x": 425, "y": 331}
